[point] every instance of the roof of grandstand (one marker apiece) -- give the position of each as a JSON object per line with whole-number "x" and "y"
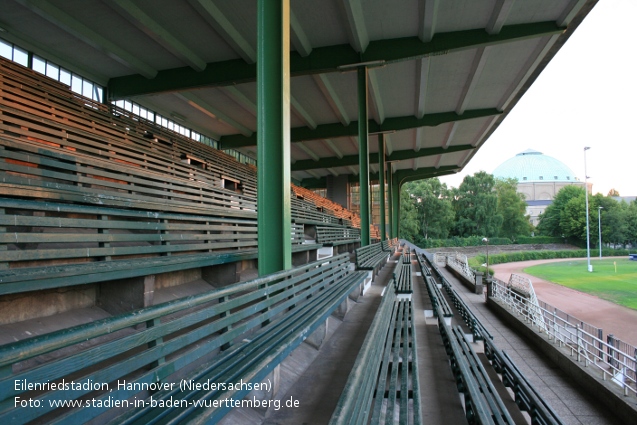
{"x": 442, "y": 75}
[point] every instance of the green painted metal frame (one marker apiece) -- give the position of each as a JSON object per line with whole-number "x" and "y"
{"x": 326, "y": 59}
{"x": 381, "y": 185}
{"x": 345, "y": 161}
{"x": 363, "y": 155}
{"x": 273, "y": 146}
{"x": 335, "y": 130}
{"x": 390, "y": 204}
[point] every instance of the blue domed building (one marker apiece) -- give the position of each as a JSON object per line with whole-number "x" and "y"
{"x": 539, "y": 177}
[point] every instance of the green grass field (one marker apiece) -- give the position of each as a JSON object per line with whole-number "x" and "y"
{"x": 619, "y": 287}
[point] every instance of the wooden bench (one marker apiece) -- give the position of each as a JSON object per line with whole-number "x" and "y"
{"x": 440, "y": 306}
{"x": 49, "y": 244}
{"x": 526, "y": 396}
{"x": 371, "y": 257}
{"x": 402, "y": 275}
{"x": 483, "y": 404}
{"x": 238, "y": 333}
{"x": 334, "y": 236}
{"x": 383, "y": 385}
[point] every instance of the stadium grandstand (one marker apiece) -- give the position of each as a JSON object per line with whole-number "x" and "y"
{"x": 199, "y": 210}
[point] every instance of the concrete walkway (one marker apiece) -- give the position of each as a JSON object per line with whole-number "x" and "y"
{"x": 571, "y": 404}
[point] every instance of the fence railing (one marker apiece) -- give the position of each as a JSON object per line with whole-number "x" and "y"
{"x": 456, "y": 261}
{"x": 616, "y": 359}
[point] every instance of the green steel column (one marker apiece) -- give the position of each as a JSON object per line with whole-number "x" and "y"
{"x": 390, "y": 194}
{"x": 395, "y": 189}
{"x": 363, "y": 155}
{"x": 273, "y": 136}
{"x": 381, "y": 183}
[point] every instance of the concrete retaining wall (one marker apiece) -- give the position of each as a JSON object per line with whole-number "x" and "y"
{"x": 588, "y": 378}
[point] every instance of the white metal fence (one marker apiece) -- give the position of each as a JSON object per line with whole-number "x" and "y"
{"x": 456, "y": 261}
{"x": 616, "y": 359}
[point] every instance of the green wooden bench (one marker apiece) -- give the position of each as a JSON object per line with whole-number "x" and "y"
{"x": 49, "y": 244}
{"x": 383, "y": 385}
{"x": 402, "y": 275}
{"x": 226, "y": 335}
{"x": 440, "y": 306}
{"x": 483, "y": 403}
{"x": 334, "y": 236}
{"x": 371, "y": 257}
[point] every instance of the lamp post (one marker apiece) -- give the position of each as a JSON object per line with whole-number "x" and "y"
{"x": 588, "y": 237}
{"x": 485, "y": 240}
{"x": 599, "y": 226}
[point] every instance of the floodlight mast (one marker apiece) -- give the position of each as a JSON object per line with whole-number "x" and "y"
{"x": 588, "y": 238}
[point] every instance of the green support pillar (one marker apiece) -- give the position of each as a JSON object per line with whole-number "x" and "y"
{"x": 381, "y": 184}
{"x": 390, "y": 195}
{"x": 273, "y": 136}
{"x": 395, "y": 189}
{"x": 363, "y": 155}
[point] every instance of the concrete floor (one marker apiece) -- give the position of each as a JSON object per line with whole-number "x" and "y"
{"x": 574, "y": 406}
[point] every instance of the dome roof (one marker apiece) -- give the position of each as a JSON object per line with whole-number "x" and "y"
{"x": 534, "y": 166}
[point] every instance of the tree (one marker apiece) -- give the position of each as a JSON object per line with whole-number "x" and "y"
{"x": 512, "y": 208}
{"x": 613, "y": 192}
{"x": 409, "y": 227}
{"x": 433, "y": 204}
{"x": 476, "y": 203}
{"x": 550, "y": 220}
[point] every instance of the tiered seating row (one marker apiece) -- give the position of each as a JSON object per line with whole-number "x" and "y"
{"x": 371, "y": 257}
{"x": 238, "y": 333}
{"x": 402, "y": 275}
{"x": 526, "y": 396}
{"x": 383, "y": 386}
{"x": 439, "y": 303}
{"x": 332, "y": 236}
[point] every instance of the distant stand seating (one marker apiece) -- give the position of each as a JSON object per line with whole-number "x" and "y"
{"x": 85, "y": 183}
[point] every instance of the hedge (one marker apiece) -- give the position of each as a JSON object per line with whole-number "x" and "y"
{"x": 510, "y": 257}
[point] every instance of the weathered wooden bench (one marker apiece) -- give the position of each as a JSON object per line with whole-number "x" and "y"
{"x": 334, "y": 236}
{"x": 371, "y": 257}
{"x": 483, "y": 403}
{"x": 383, "y": 386}
{"x": 440, "y": 306}
{"x": 402, "y": 275}
{"x": 50, "y": 244}
{"x": 236, "y": 334}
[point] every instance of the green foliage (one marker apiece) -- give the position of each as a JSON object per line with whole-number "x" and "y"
{"x": 512, "y": 208}
{"x": 433, "y": 205}
{"x": 409, "y": 227}
{"x": 510, "y": 257}
{"x": 550, "y": 221}
{"x": 460, "y": 242}
{"x": 526, "y": 240}
{"x": 475, "y": 203}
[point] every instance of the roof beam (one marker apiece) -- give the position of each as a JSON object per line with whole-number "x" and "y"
{"x": 333, "y": 130}
{"x": 418, "y": 138}
{"x": 323, "y": 83}
{"x": 499, "y": 16}
{"x": 479, "y": 60}
{"x": 299, "y": 39}
{"x": 449, "y": 136}
{"x": 223, "y": 27}
{"x": 422, "y": 73}
{"x": 374, "y": 89}
{"x": 90, "y": 37}
{"x": 403, "y": 176}
{"x": 429, "y": 14}
{"x": 570, "y": 11}
{"x": 233, "y": 93}
{"x": 302, "y": 113}
{"x": 333, "y": 147}
{"x": 359, "y": 39}
{"x": 308, "y": 151}
{"x": 328, "y": 59}
{"x": 47, "y": 52}
{"x": 157, "y": 32}
{"x": 211, "y": 111}
{"x": 350, "y": 160}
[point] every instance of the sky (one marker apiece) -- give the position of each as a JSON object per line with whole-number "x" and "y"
{"x": 586, "y": 96}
